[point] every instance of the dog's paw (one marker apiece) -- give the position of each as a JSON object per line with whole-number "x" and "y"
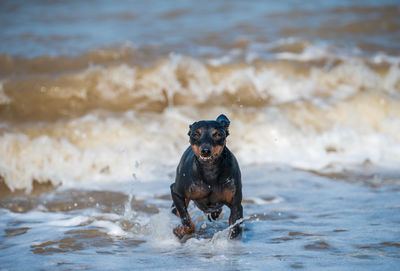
{"x": 214, "y": 215}
{"x": 175, "y": 211}
{"x": 181, "y": 231}
{"x": 235, "y": 233}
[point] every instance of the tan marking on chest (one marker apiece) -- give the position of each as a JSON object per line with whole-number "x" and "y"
{"x": 198, "y": 191}
{"x": 228, "y": 190}
{"x": 227, "y": 195}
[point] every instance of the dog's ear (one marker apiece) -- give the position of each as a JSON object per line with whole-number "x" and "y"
{"x": 190, "y": 128}
{"x": 224, "y": 121}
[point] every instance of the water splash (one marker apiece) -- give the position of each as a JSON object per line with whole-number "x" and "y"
{"x": 129, "y": 213}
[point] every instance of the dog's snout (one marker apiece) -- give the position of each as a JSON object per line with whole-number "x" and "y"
{"x": 205, "y": 151}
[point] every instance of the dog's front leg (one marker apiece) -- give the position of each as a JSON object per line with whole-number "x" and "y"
{"x": 236, "y": 214}
{"x": 181, "y": 206}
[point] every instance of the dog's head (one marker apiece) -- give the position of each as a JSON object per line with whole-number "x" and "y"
{"x": 208, "y": 137}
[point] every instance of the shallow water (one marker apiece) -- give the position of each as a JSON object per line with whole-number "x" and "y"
{"x": 293, "y": 220}
{"x": 95, "y": 102}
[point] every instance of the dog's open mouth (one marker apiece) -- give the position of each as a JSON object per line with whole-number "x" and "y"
{"x": 205, "y": 158}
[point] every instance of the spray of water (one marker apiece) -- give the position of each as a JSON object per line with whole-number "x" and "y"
{"x": 129, "y": 213}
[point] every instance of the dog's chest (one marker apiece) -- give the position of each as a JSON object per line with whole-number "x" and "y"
{"x": 221, "y": 192}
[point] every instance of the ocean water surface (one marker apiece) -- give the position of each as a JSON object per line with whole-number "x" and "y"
{"x": 95, "y": 102}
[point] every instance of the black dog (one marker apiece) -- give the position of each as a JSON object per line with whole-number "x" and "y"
{"x": 208, "y": 174}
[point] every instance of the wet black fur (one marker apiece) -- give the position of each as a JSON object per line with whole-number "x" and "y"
{"x": 206, "y": 182}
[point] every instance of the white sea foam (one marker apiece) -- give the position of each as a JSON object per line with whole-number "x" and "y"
{"x": 160, "y": 228}
{"x": 261, "y": 201}
{"x": 111, "y": 228}
{"x": 97, "y": 150}
{"x": 345, "y": 115}
{"x": 4, "y": 99}
{"x": 70, "y": 222}
{"x": 191, "y": 78}
{"x": 382, "y": 57}
{"x": 312, "y": 52}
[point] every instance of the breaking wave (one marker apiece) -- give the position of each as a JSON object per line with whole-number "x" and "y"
{"x": 74, "y": 124}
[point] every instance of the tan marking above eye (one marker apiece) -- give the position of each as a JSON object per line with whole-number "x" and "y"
{"x": 215, "y": 132}
{"x": 198, "y": 131}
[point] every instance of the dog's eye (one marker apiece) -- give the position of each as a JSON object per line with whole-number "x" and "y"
{"x": 196, "y": 135}
{"x": 216, "y": 134}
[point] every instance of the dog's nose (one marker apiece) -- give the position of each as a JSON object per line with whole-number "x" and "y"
{"x": 205, "y": 151}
